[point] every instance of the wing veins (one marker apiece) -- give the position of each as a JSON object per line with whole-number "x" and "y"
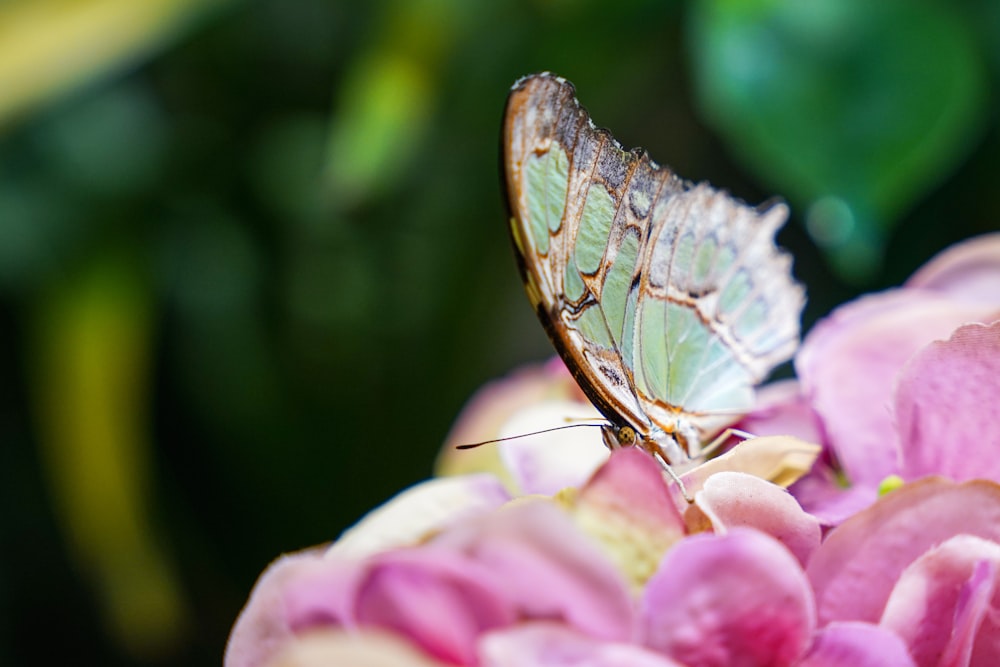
{"x": 615, "y": 348}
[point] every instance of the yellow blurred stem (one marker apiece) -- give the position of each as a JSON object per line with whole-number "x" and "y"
{"x": 90, "y": 376}
{"x": 385, "y": 107}
{"x": 387, "y": 98}
{"x": 47, "y": 46}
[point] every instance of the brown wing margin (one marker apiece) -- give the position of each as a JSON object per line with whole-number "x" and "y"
{"x": 544, "y": 107}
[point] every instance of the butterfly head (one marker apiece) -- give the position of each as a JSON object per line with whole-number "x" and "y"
{"x": 672, "y": 448}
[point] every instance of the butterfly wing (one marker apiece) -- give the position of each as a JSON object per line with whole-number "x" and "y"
{"x": 577, "y": 252}
{"x": 666, "y": 301}
{"x": 717, "y": 308}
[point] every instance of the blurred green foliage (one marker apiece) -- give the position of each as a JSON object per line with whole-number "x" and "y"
{"x": 253, "y": 256}
{"x": 851, "y": 108}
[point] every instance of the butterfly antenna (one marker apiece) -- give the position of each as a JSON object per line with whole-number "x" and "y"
{"x": 523, "y": 435}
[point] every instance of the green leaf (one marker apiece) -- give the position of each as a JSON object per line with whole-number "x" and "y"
{"x": 851, "y": 108}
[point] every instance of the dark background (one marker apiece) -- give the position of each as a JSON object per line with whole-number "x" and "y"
{"x": 253, "y": 255}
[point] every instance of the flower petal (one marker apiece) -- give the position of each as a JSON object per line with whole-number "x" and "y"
{"x": 440, "y": 600}
{"x": 628, "y": 508}
{"x": 491, "y": 407}
{"x": 731, "y": 499}
{"x": 968, "y": 271}
{"x": 853, "y": 644}
{"x": 263, "y": 626}
{"x": 550, "y": 645}
{"x": 854, "y": 570}
{"x": 547, "y": 567}
{"x": 821, "y": 495}
{"x": 781, "y": 409}
{"x": 738, "y": 599}
{"x": 849, "y": 362}
{"x": 321, "y": 595}
{"x": 546, "y": 463}
{"x": 948, "y": 406}
{"x": 776, "y": 458}
{"x": 944, "y": 604}
{"x": 419, "y": 511}
{"x": 357, "y": 649}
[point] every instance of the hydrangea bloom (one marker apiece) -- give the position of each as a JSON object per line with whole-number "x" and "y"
{"x": 886, "y": 399}
{"x": 611, "y": 572}
{"x": 565, "y": 555}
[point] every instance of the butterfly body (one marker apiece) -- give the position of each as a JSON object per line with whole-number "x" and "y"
{"x": 668, "y": 301}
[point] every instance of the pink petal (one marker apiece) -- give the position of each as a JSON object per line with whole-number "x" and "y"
{"x": 853, "y": 644}
{"x": 546, "y": 463}
{"x": 948, "y": 406}
{"x": 781, "y": 409}
{"x": 264, "y": 626}
{"x": 556, "y": 368}
{"x": 322, "y": 595}
{"x": 631, "y": 484}
{"x": 945, "y": 604}
{"x": 849, "y": 362}
{"x": 547, "y": 567}
{"x": 969, "y": 270}
{"x": 493, "y": 404}
{"x": 731, "y": 499}
{"x": 821, "y": 495}
{"x": 440, "y": 601}
{"x": 628, "y": 508}
{"x": 978, "y": 614}
{"x": 550, "y": 645}
{"x": 859, "y": 562}
{"x": 734, "y": 600}
{"x": 491, "y": 407}
{"x": 419, "y": 511}
{"x": 357, "y": 649}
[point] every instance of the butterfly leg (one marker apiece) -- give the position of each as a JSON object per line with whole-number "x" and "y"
{"x": 667, "y": 468}
{"x": 721, "y": 439}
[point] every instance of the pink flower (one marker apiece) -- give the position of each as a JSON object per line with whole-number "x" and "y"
{"x": 612, "y": 576}
{"x": 444, "y": 591}
{"x": 884, "y": 397}
{"x": 924, "y": 563}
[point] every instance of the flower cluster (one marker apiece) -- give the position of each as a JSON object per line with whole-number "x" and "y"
{"x": 898, "y": 383}
{"x": 566, "y": 555}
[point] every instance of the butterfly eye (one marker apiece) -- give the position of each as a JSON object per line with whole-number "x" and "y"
{"x": 626, "y": 435}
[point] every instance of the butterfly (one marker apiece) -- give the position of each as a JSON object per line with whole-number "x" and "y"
{"x": 668, "y": 301}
